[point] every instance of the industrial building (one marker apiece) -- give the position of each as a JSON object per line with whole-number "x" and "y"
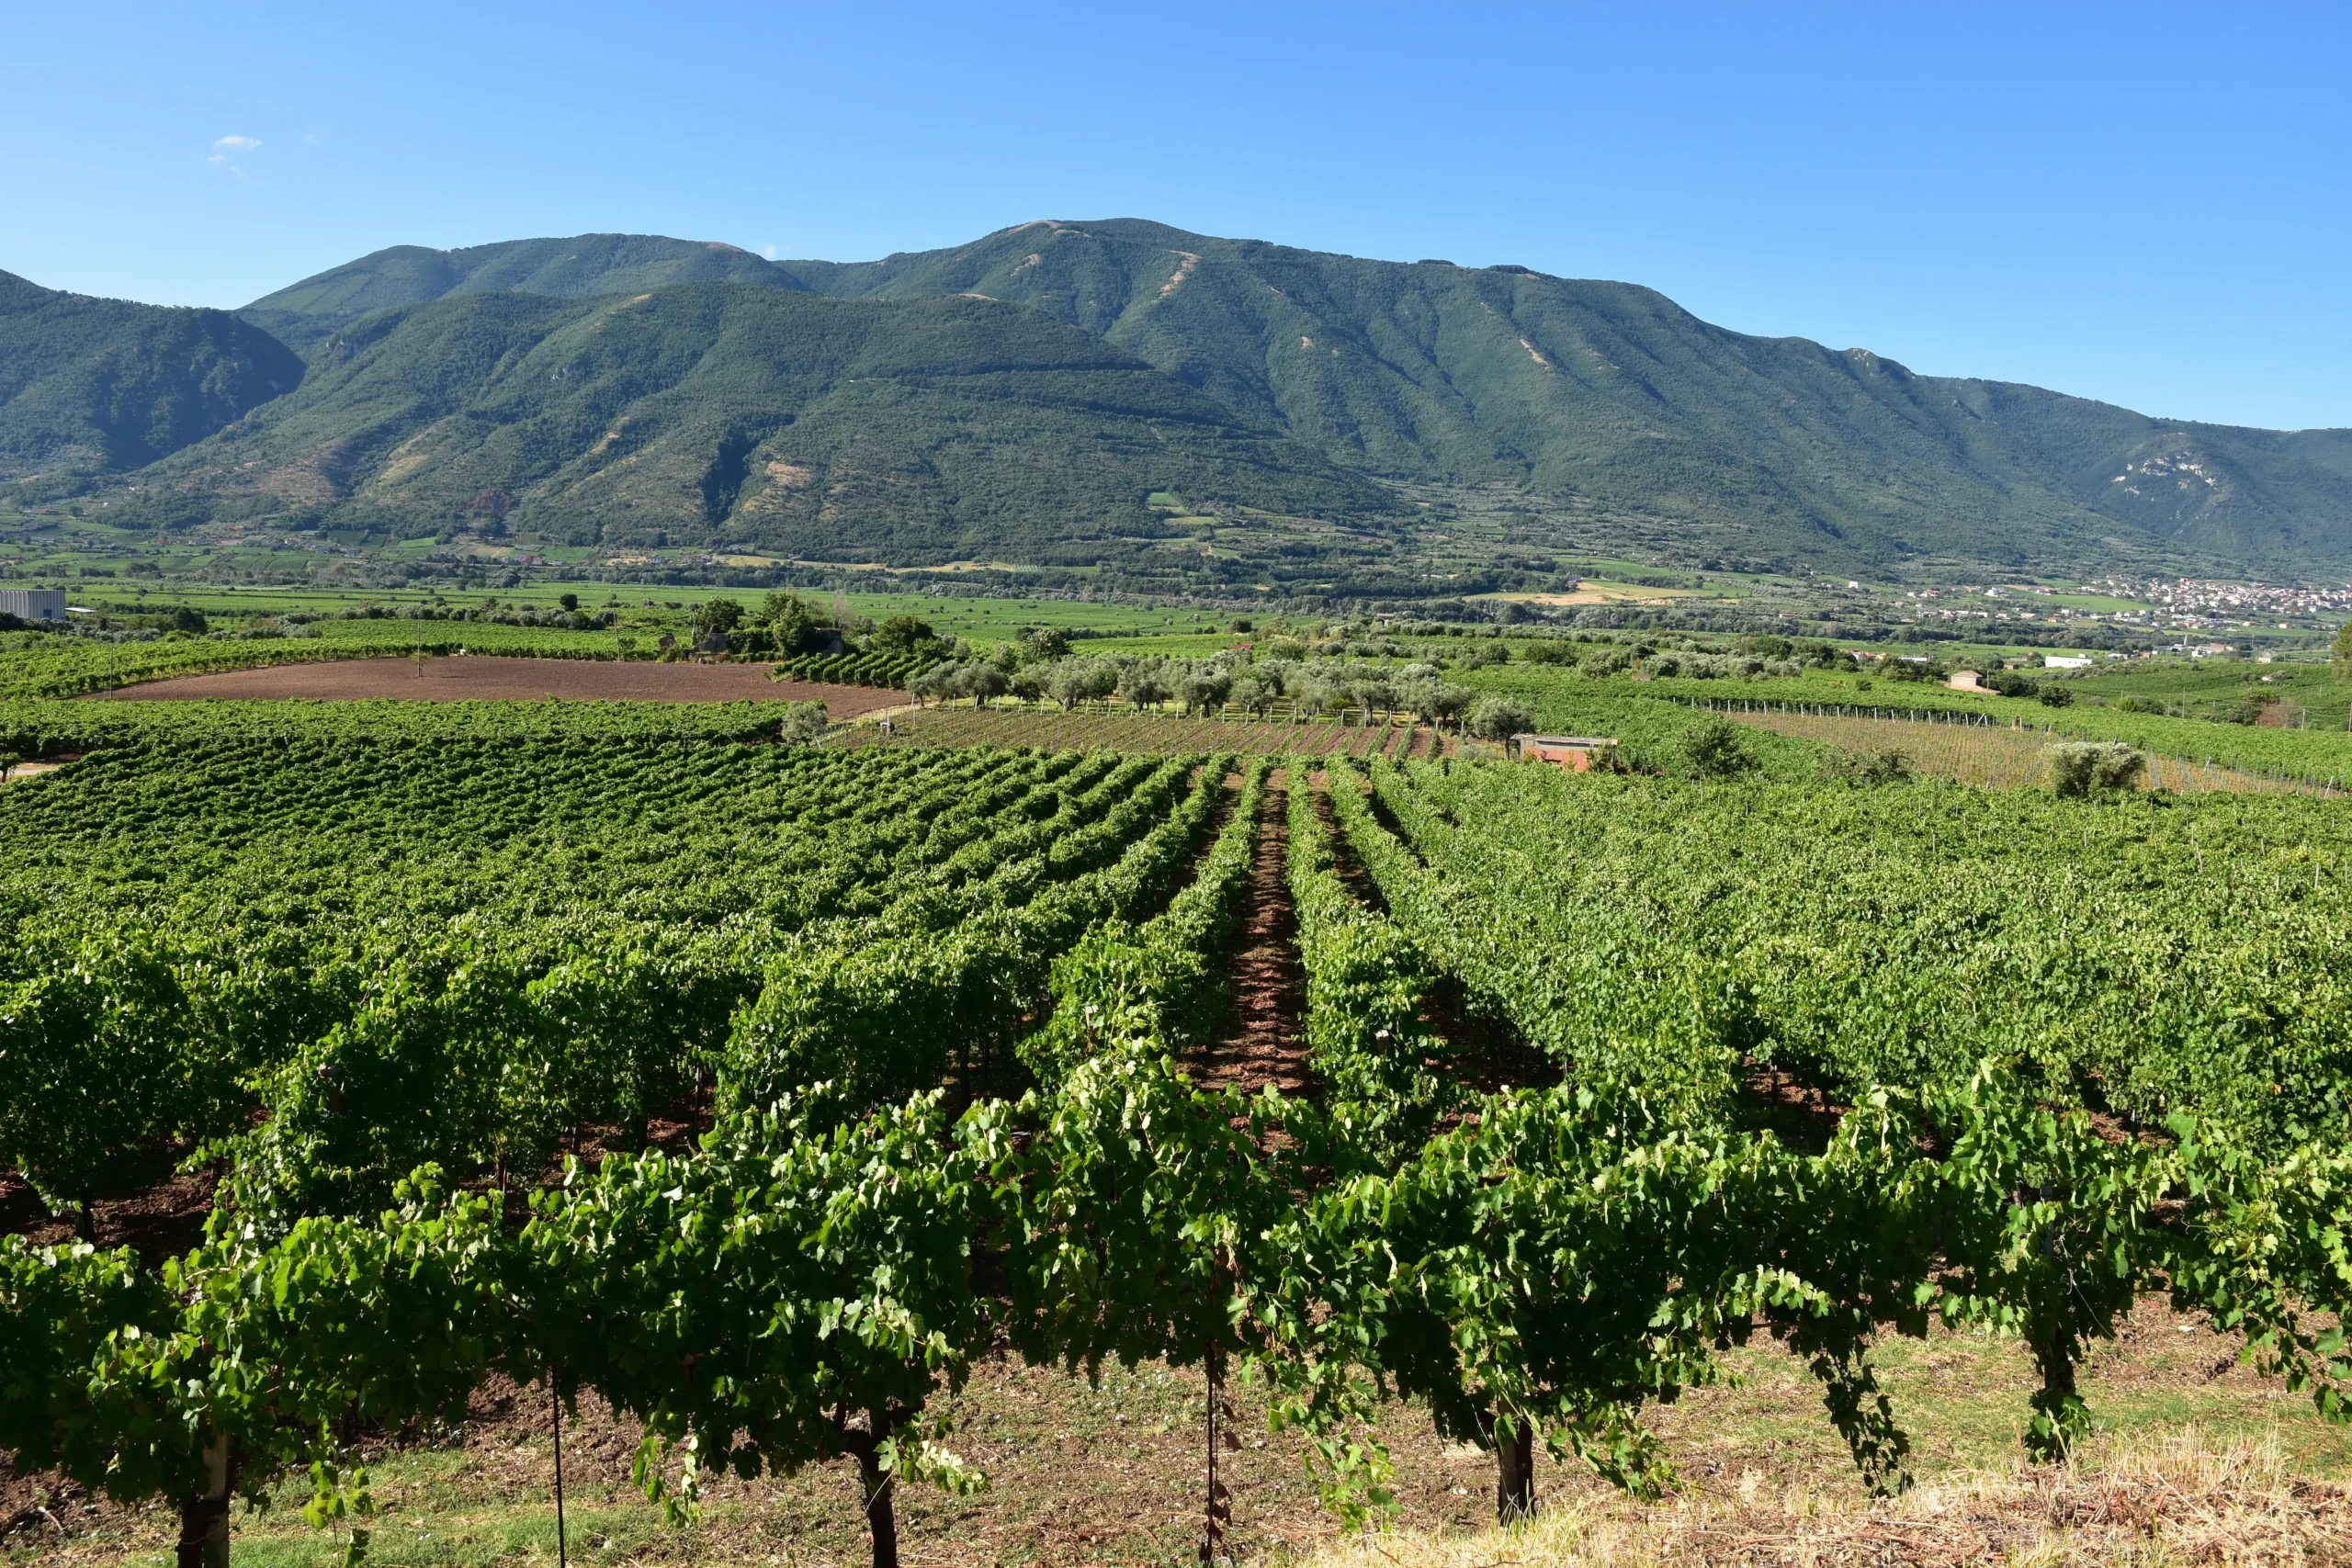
{"x": 33, "y": 604}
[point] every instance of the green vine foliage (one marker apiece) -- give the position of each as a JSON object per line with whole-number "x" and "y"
{"x": 946, "y": 1001}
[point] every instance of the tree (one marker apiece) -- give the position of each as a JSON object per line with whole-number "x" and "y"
{"x": 1717, "y": 750}
{"x": 1203, "y": 690}
{"x": 902, "y": 634}
{"x": 934, "y": 682}
{"x": 1075, "y": 681}
{"x": 2082, "y": 768}
{"x": 1042, "y": 645}
{"x": 1312, "y": 693}
{"x": 982, "y": 680}
{"x": 570, "y": 600}
{"x": 2344, "y": 651}
{"x": 9, "y": 762}
{"x": 1142, "y": 687}
{"x": 1499, "y": 719}
{"x": 718, "y": 615}
{"x": 791, "y": 623}
{"x": 1372, "y": 694}
{"x": 1252, "y": 695}
{"x": 2057, "y": 695}
{"x": 803, "y": 721}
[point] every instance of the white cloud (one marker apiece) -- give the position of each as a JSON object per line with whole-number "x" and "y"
{"x": 236, "y": 143}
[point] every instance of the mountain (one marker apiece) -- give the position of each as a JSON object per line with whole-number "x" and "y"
{"x": 1612, "y": 392}
{"x": 88, "y": 385}
{"x": 1062, "y": 393}
{"x": 740, "y": 418}
{"x": 586, "y": 265}
{"x": 1581, "y": 397}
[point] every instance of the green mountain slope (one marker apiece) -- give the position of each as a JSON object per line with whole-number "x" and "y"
{"x": 88, "y": 385}
{"x": 2278, "y": 496}
{"x": 742, "y": 418}
{"x": 1562, "y": 415}
{"x": 580, "y": 267}
{"x": 1611, "y": 391}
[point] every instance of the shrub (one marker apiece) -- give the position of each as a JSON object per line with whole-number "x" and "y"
{"x": 2079, "y": 768}
{"x": 2009, "y": 683}
{"x": 1883, "y": 766}
{"x": 2057, "y": 695}
{"x": 2251, "y": 706}
{"x": 1717, "y": 750}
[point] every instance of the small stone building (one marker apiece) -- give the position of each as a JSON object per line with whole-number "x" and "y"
{"x": 1577, "y": 753}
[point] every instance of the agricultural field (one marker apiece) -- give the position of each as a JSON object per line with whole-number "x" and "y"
{"x": 1053, "y": 731}
{"x": 1030, "y": 1133}
{"x": 1967, "y": 750}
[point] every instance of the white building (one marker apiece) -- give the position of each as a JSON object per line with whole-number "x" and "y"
{"x": 33, "y": 604}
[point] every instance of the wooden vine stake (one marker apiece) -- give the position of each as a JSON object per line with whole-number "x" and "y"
{"x": 1219, "y": 1514}
{"x": 555, "y": 1399}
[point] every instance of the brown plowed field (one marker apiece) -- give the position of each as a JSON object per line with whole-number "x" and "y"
{"x": 526, "y": 680}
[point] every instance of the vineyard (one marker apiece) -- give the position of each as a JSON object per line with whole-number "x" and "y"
{"x": 771, "y": 1098}
{"x": 1052, "y": 729}
{"x": 42, "y": 666}
{"x": 1993, "y": 755}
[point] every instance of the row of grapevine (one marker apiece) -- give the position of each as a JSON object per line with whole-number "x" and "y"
{"x": 376, "y": 1044}
{"x": 890, "y": 670}
{"x": 57, "y": 668}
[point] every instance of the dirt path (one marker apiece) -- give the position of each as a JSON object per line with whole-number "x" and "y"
{"x": 481, "y": 676}
{"x": 1264, "y": 1040}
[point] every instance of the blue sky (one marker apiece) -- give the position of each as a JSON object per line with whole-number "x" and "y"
{"x": 2146, "y": 204}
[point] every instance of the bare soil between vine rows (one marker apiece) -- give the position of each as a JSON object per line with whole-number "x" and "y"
{"x": 1264, "y": 1040}
{"x": 495, "y": 678}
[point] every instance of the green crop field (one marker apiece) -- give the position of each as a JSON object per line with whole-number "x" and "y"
{"x": 935, "y": 1141}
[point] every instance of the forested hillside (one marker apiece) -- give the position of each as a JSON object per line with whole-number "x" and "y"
{"x": 89, "y": 384}
{"x": 1613, "y": 391}
{"x": 742, "y": 417}
{"x": 578, "y": 268}
{"x": 1094, "y": 366}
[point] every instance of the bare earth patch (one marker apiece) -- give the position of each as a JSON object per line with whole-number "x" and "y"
{"x": 486, "y": 677}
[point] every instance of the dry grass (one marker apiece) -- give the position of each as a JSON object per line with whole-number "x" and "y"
{"x": 2181, "y": 1499}
{"x": 1990, "y": 754}
{"x": 2201, "y": 1462}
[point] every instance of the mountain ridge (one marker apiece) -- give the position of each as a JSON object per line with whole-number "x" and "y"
{"x": 1339, "y": 383}
{"x": 739, "y": 417}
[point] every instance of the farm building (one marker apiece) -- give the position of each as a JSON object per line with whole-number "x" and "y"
{"x": 1579, "y": 754}
{"x": 33, "y": 604}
